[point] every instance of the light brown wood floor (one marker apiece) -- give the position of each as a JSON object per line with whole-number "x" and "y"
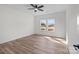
{"x": 35, "y": 44}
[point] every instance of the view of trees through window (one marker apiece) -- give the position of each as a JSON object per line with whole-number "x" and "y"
{"x": 43, "y": 24}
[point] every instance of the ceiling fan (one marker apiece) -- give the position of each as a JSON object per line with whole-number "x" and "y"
{"x": 36, "y": 7}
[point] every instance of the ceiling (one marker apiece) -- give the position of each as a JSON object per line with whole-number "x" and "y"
{"x": 48, "y": 8}
{"x": 52, "y": 8}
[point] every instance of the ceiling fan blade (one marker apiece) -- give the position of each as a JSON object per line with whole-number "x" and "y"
{"x": 40, "y": 9}
{"x": 31, "y": 8}
{"x": 41, "y": 6}
{"x": 33, "y": 5}
{"x": 36, "y": 5}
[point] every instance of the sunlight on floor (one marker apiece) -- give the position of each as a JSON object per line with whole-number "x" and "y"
{"x": 56, "y": 40}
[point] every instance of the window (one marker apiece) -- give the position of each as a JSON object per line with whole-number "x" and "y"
{"x": 51, "y": 24}
{"x": 43, "y": 24}
{"x": 48, "y": 24}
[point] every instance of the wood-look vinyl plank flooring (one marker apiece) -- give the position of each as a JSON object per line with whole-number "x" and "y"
{"x": 35, "y": 44}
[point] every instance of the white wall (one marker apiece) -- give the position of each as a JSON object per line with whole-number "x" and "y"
{"x": 14, "y": 24}
{"x": 60, "y": 18}
{"x": 71, "y": 27}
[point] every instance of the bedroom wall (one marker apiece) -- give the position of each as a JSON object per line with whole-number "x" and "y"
{"x": 14, "y": 24}
{"x": 60, "y": 25}
{"x": 71, "y": 27}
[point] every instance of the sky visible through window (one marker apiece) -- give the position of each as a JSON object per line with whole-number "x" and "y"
{"x": 51, "y": 21}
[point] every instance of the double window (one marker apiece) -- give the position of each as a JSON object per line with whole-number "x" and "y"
{"x": 47, "y": 24}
